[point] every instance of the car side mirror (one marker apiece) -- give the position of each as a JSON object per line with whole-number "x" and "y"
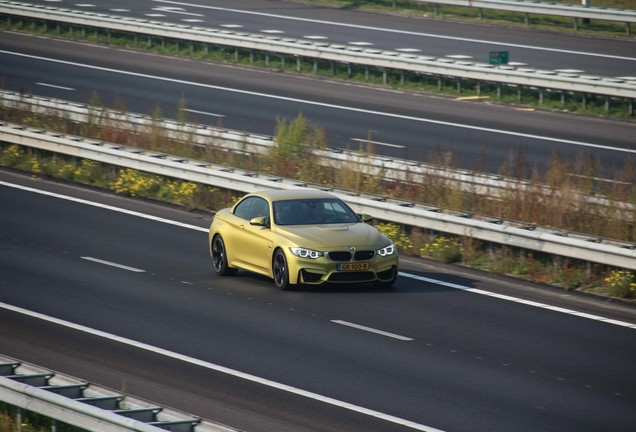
{"x": 366, "y": 218}
{"x": 262, "y": 221}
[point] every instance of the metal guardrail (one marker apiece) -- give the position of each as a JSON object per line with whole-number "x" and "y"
{"x": 621, "y": 87}
{"x": 89, "y": 406}
{"x": 535, "y": 7}
{"x": 385, "y": 168}
{"x": 531, "y": 237}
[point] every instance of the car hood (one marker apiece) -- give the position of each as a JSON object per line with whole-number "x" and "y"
{"x": 325, "y": 237}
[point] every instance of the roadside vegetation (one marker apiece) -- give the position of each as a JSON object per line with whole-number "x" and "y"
{"x": 26, "y": 421}
{"x": 485, "y": 92}
{"x": 552, "y": 198}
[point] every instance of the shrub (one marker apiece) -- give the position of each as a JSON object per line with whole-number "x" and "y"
{"x": 443, "y": 249}
{"x": 12, "y": 155}
{"x": 621, "y": 284}
{"x": 394, "y": 232}
{"x": 180, "y": 192}
{"x": 135, "y": 183}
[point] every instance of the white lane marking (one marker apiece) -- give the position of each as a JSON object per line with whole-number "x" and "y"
{"x": 221, "y": 369}
{"x": 204, "y": 113}
{"x": 378, "y": 143}
{"x": 272, "y": 31}
{"x": 54, "y": 86}
{"x": 232, "y": 25}
{"x": 112, "y": 264}
{"x": 386, "y": 30}
{"x": 104, "y": 206}
{"x": 179, "y": 11}
{"x": 403, "y": 274}
{"x": 119, "y": 10}
{"x": 372, "y": 330}
{"x": 518, "y": 300}
{"x": 326, "y": 105}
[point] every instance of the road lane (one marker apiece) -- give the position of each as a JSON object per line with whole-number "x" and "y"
{"x": 480, "y": 136}
{"x": 541, "y": 49}
{"x": 504, "y": 365}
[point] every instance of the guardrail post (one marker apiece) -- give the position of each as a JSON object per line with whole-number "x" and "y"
{"x": 631, "y": 107}
{"x": 628, "y": 29}
{"x": 526, "y": 21}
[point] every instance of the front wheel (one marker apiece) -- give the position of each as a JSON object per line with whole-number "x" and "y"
{"x": 219, "y": 258}
{"x": 280, "y": 271}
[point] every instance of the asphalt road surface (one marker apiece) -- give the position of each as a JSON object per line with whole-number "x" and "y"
{"x": 399, "y": 123}
{"x": 449, "y": 349}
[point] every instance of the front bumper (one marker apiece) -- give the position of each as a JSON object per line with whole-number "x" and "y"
{"x": 322, "y": 270}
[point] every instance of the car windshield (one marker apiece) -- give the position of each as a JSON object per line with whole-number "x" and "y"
{"x": 313, "y": 212}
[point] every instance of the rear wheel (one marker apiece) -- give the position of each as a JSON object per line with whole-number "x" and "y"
{"x": 219, "y": 258}
{"x": 280, "y": 271}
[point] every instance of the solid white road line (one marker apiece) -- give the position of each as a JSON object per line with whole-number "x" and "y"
{"x": 327, "y": 105}
{"x": 222, "y": 369}
{"x": 403, "y": 274}
{"x": 104, "y": 206}
{"x": 412, "y": 33}
{"x": 372, "y": 330}
{"x": 112, "y": 264}
{"x": 518, "y": 300}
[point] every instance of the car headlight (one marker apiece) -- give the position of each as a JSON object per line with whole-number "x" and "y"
{"x": 306, "y": 253}
{"x": 387, "y": 250}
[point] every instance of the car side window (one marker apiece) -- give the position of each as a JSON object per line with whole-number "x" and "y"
{"x": 252, "y": 207}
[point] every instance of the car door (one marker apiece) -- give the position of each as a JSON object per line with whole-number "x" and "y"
{"x": 253, "y": 244}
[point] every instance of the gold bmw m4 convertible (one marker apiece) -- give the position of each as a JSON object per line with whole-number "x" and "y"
{"x": 301, "y": 237}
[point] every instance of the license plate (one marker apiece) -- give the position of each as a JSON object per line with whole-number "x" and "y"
{"x": 353, "y": 266}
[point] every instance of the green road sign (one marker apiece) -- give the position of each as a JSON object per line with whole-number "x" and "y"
{"x": 498, "y": 57}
